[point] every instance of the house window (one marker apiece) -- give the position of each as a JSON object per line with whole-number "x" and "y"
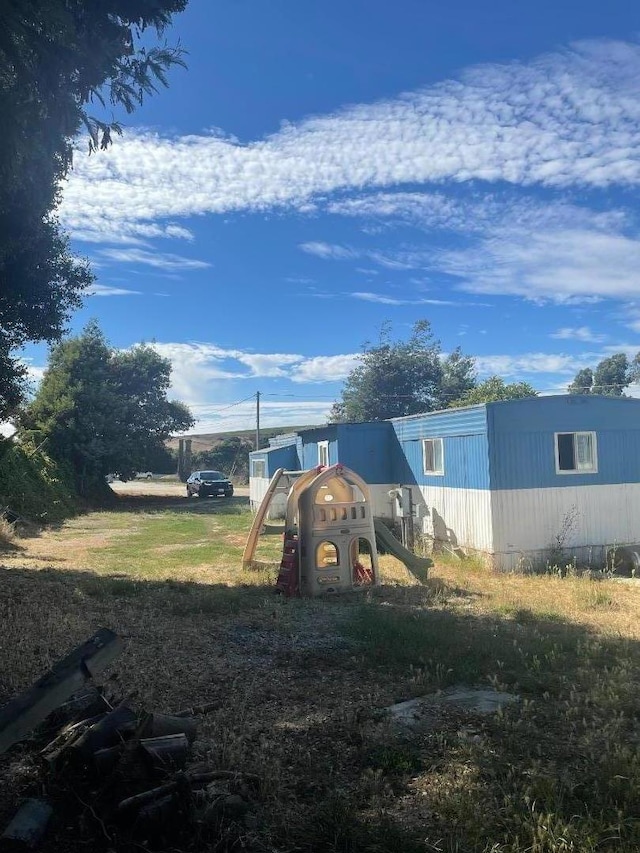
{"x": 259, "y": 468}
{"x": 323, "y": 453}
{"x": 576, "y": 453}
{"x": 432, "y": 456}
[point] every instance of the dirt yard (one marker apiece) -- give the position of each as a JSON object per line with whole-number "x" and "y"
{"x": 299, "y": 689}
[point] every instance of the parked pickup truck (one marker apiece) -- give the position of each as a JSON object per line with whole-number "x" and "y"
{"x": 143, "y": 475}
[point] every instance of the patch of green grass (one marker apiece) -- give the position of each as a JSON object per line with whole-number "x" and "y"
{"x": 165, "y": 543}
{"x": 441, "y": 648}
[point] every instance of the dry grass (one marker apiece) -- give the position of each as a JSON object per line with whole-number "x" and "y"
{"x": 299, "y": 684}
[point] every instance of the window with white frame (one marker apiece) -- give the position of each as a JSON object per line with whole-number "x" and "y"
{"x": 258, "y": 468}
{"x": 323, "y": 453}
{"x": 432, "y": 456}
{"x": 576, "y": 453}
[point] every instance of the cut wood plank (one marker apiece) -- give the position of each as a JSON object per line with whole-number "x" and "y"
{"x": 23, "y": 713}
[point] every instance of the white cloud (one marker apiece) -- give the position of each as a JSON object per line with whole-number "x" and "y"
{"x": 581, "y": 333}
{"x": 328, "y": 251}
{"x": 566, "y": 266}
{"x": 213, "y": 418}
{"x": 570, "y": 118}
{"x": 107, "y": 290}
{"x": 200, "y": 369}
{"x": 476, "y": 213}
{"x": 531, "y": 363}
{"x": 325, "y": 368}
{"x": 390, "y": 300}
{"x": 128, "y": 233}
{"x": 153, "y": 259}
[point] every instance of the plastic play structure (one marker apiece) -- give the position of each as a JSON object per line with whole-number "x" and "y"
{"x": 329, "y": 534}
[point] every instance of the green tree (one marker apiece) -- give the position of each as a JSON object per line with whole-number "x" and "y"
{"x": 583, "y": 383}
{"x": 396, "y": 378}
{"x": 495, "y": 388}
{"x": 102, "y": 411}
{"x": 56, "y": 57}
{"x": 610, "y": 378}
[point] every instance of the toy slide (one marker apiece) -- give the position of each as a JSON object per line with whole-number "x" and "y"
{"x": 418, "y": 566}
{"x": 258, "y": 520}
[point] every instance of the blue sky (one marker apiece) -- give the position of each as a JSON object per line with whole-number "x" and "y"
{"x": 323, "y": 167}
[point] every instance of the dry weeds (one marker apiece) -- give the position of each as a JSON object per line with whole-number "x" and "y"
{"x": 299, "y": 686}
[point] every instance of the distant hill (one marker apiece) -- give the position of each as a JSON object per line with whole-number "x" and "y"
{"x": 207, "y": 440}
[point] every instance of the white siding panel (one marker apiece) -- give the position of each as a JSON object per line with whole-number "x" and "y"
{"x": 459, "y": 516}
{"x": 257, "y": 490}
{"x": 527, "y": 522}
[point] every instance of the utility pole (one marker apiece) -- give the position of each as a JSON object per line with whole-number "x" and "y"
{"x": 257, "y": 420}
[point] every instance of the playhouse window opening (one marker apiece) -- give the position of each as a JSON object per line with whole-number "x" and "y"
{"x": 259, "y": 468}
{"x": 432, "y": 456}
{"x": 326, "y": 555}
{"x": 576, "y": 452}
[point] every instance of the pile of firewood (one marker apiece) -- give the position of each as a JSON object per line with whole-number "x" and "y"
{"x": 129, "y": 769}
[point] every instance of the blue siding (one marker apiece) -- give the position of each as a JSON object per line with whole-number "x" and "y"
{"x": 465, "y": 446}
{"x": 366, "y": 449}
{"x": 274, "y": 458}
{"x": 466, "y": 463}
{"x": 310, "y": 439}
{"x": 522, "y": 442}
{"x": 467, "y": 421}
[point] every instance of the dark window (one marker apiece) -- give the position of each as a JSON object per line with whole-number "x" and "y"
{"x": 576, "y": 452}
{"x": 565, "y": 452}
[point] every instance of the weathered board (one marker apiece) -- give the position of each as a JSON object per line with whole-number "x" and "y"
{"x": 24, "y": 712}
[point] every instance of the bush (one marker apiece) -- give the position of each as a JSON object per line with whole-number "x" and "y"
{"x": 33, "y": 485}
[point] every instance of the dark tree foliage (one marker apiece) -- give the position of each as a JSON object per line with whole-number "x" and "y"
{"x": 56, "y": 57}
{"x": 104, "y": 411}
{"x": 583, "y": 382}
{"x": 610, "y": 378}
{"x": 495, "y": 388}
{"x": 396, "y": 378}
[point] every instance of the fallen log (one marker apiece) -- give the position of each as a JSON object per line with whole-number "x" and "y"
{"x": 23, "y": 713}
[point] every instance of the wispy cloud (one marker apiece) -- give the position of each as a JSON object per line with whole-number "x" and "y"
{"x": 107, "y": 290}
{"x": 525, "y": 364}
{"x": 222, "y": 418}
{"x": 581, "y": 333}
{"x": 129, "y": 233}
{"x": 566, "y": 266}
{"x": 391, "y": 300}
{"x": 569, "y": 118}
{"x": 328, "y": 251}
{"x": 157, "y": 260}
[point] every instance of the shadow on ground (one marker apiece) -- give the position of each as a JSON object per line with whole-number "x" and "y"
{"x": 299, "y": 687}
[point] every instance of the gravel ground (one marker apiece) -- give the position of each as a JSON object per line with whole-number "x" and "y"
{"x": 162, "y": 488}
